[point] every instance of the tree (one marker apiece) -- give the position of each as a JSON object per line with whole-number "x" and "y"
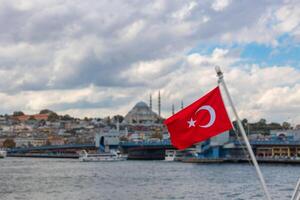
{"x": 245, "y": 121}
{"x": 235, "y": 131}
{"x": 53, "y": 117}
{"x": 286, "y": 125}
{"x": 117, "y": 118}
{"x": 262, "y": 122}
{"x": 274, "y": 126}
{"x": 107, "y": 120}
{"x": 66, "y": 117}
{"x": 9, "y": 143}
{"x": 32, "y": 118}
{"x": 18, "y": 113}
{"x": 87, "y": 119}
{"x": 245, "y": 124}
{"x": 46, "y": 111}
{"x": 260, "y": 127}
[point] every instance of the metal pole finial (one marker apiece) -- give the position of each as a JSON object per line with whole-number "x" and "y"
{"x": 218, "y": 70}
{"x": 219, "y": 73}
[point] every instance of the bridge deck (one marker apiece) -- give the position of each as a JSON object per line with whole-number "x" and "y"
{"x": 162, "y": 144}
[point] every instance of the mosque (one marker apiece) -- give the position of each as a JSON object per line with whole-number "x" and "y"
{"x": 141, "y": 113}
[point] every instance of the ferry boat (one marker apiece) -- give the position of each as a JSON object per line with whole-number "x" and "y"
{"x": 3, "y": 153}
{"x": 100, "y": 157}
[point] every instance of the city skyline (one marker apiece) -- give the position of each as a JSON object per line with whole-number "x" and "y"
{"x": 97, "y": 59}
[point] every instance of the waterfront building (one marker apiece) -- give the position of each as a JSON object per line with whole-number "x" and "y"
{"x": 30, "y": 141}
{"x": 2, "y": 141}
{"x": 214, "y": 147}
{"x": 56, "y": 140}
{"x": 3, "y": 120}
{"x": 292, "y": 134}
{"x": 6, "y": 128}
{"x": 281, "y": 144}
{"x": 105, "y": 140}
{"x": 277, "y": 152}
{"x": 135, "y": 137}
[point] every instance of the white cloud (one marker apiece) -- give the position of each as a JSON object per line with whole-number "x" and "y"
{"x": 185, "y": 11}
{"x": 219, "y": 5}
{"x": 147, "y": 71}
{"x": 100, "y": 57}
{"x": 258, "y": 92}
{"x": 131, "y": 31}
{"x": 288, "y": 17}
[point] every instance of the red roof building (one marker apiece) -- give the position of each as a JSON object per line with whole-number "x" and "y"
{"x": 23, "y": 118}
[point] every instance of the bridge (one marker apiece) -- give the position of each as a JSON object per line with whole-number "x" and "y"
{"x": 73, "y": 148}
{"x": 270, "y": 143}
{"x": 165, "y": 144}
{"x": 52, "y": 148}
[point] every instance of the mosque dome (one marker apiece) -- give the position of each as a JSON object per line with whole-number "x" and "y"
{"x": 141, "y": 114}
{"x": 141, "y": 104}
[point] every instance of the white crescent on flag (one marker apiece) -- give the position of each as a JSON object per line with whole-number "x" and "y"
{"x": 212, "y": 115}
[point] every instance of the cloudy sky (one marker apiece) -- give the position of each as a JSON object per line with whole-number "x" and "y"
{"x": 97, "y": 58}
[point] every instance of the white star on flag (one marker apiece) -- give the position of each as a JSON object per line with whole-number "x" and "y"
{"x": 191, "y": 123}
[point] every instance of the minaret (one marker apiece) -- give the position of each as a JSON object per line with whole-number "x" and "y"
{"x": 173, "y": 109}
{"x": 118, "y": 126}
{"x": 159, "y": 103}
{"x": 181, "y": 104}
{"x": 150, "y": 104}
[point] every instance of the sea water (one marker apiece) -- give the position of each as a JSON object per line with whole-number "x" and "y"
{"x": 63, "y": 179}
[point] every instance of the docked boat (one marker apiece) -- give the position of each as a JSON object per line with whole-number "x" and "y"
{"x": 181, "y": 155}
{"x": 100, "y": 157}
{"x": 3, "y": 153}
{"x": 170, "y": 155}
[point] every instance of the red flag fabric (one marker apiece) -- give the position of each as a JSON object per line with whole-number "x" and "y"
{"x": 205, "y": 118}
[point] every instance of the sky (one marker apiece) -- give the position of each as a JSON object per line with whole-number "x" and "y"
{"x": 98, "y": 58}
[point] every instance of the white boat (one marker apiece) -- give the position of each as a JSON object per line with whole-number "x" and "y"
{"x": 179, "y": 155}
{"x": 100, "y": 157}
{"x": 170, "y": 155}
{"x": 3, "y": 154}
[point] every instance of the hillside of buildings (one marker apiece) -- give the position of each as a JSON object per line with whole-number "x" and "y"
{"x": 140, "y": 123}
{"x": 49, "y": 128}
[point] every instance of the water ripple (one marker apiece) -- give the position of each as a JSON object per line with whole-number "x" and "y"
{"x": 60, "y": 179}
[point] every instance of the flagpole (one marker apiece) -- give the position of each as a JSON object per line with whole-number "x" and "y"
{"x": 296, "y": 194}
{"x": 261, "y": 178}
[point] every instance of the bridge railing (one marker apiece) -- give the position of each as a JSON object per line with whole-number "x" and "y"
{"x": 83, "y": 146}
{"x": 50, "y": 147}
{"x": 146, "y": 143}
{"x": 271, "y": 142}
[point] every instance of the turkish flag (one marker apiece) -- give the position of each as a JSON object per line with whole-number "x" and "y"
{"x": 205, "y": 118}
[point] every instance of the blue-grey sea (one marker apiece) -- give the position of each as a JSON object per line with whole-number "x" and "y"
{"x": 63, "y": 179}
